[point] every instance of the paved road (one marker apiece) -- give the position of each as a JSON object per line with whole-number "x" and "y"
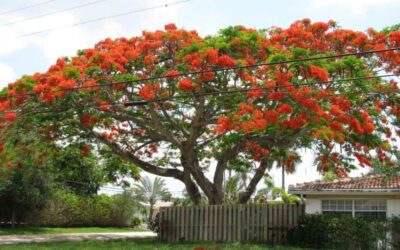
{"x": 15, "y": 239}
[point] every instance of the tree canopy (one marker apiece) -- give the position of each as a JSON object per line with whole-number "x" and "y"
{"x": 176, "y": 104}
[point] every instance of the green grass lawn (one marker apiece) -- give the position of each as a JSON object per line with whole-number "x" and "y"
{"x": 60, "y": 230}
{"x": 139, "y": 244}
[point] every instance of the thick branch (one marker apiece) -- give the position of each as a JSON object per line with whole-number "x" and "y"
{"x": 161, "y": 128}
{"x": 251, "y": 187}
{"x": 172, "y": 122}
{"x": 118, "y": 149}
{"x": 190, "y": 163}
{"x": 223, "y": 160}
{"x": 191, "y": 188}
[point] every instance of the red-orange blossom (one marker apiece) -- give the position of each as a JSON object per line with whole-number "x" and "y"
{"x": 287, "y": 106}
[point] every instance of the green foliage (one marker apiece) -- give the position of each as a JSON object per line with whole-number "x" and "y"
{"x": 25, "y": 190}
{"x": 136, "y": 221}
{"x": 71, "y": 73}
{"x": 390, "y": 29}
{"x": 26, "y": 82}
{"x": 149, "y": 243}
{"x": 387, "y": 170}
{"x": 329, "y": 176}
{"x": 82, "y": 174}
{"x": 23, "y": 185}
{"x": 275, "y": 192}
{"x": 344, "y": 232}
{"x": 396, "y": 232}
{"x": 278, "y": 58}
{"x": 69, "y": 209}
{"x": 116, "y": 166}
{"x": 232, "y": 187}
{"x": 186, "y": 201}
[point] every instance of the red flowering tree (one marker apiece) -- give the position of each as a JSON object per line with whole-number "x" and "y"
{"x": 179, "y": 124}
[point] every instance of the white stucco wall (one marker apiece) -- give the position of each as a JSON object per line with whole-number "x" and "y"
{"x": 393, "y": 208}
{"x": 313, "y": 206}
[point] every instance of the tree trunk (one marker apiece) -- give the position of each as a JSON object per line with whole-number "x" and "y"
{"x": 191, "y": 188}
{"x": 151, "y": 212}
{"x": 217, "y": 198}
{"x": 191, "y": 168}
{"x": 283, "y": 177}
{"x": 13, "y": 220}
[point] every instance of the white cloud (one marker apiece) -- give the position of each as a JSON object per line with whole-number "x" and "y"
{"x": 66, "y": 42}
{"x": 157, "y": 18}
{"x": 7, "y": 75}
{"x": 60, "y": 42}
{"x": 358, "y": 7}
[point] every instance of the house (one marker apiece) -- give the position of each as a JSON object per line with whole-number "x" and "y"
{"x": 156, "y": 207}
{"x": 371, "y": 196}
{"x": 160, "y": 204}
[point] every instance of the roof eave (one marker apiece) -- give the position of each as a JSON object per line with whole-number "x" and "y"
{"x": 348, "y": 191}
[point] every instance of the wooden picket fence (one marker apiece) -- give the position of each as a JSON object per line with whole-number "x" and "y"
{"x": 229, "y": 223}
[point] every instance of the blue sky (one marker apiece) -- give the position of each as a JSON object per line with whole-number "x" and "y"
{"x": 31, "y": 54}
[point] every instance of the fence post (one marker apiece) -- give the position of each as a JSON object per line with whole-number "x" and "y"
{"x": 162, "y": 231}
{"x": 265, "y": 223}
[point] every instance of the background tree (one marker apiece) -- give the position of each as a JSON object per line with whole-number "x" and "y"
{"x": 32, "y": 170}
{"x": 25, "y": 190}
{"x": 23, "y": 186}
{"x": 150, "y": 192}
{"x": 138, "y": 97}
{"x": 287, "y": 161}
{"x": 274, "y": 192}
{"x": 232, "y": 188}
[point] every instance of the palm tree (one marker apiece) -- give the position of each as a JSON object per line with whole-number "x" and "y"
{"x": 286, "y": 160}
{"x": 236, "y": 181}
{"x": 232, "y": 187}
{"x": 151, "y": 191}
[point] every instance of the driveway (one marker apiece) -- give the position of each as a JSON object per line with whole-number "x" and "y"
{"x": 15, "y": 239}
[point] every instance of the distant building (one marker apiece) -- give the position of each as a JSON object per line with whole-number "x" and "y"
{"x": 156, "y": 208}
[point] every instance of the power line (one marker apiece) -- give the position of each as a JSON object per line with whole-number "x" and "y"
{"x": 276, "y": 87}
{"x": 214, "y": 71}
{"x": 55, "y": 12}
{"x": 90, "y": 184}
{"x": 140, "y": 103}
{"x": 228, "y": 92}
{"x": 27, "y": 7}
{"x": 112, "y": 189}
{"x": 100, "y": 19}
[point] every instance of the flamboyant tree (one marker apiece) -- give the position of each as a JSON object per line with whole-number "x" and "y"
{"x": 177, "y": 104}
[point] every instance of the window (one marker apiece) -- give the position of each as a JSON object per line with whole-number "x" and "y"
{"x": 337, "y": 207}
{"x": 370, "y": 209}
{"x": 373, "y": 209}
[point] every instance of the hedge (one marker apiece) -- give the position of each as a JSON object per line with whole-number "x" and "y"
{"x": 68, "y": 209}
{"x": 344, "y": 232}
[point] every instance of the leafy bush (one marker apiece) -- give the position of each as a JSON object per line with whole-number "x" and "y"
{"x": 136, "y": 221}
{"x": 396, "y": 232}
{"x": 344, "y": 232}
{"x": 68, "y": 209}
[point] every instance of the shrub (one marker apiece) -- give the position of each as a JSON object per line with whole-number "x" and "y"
{"x": 68, "y": 209}
{"x": 344, "y": 232}
{"x": 396, "y": 232}
{"x": 136, "y": 221}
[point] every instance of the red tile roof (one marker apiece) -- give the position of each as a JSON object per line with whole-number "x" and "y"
{"x": 368, "y": 183}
